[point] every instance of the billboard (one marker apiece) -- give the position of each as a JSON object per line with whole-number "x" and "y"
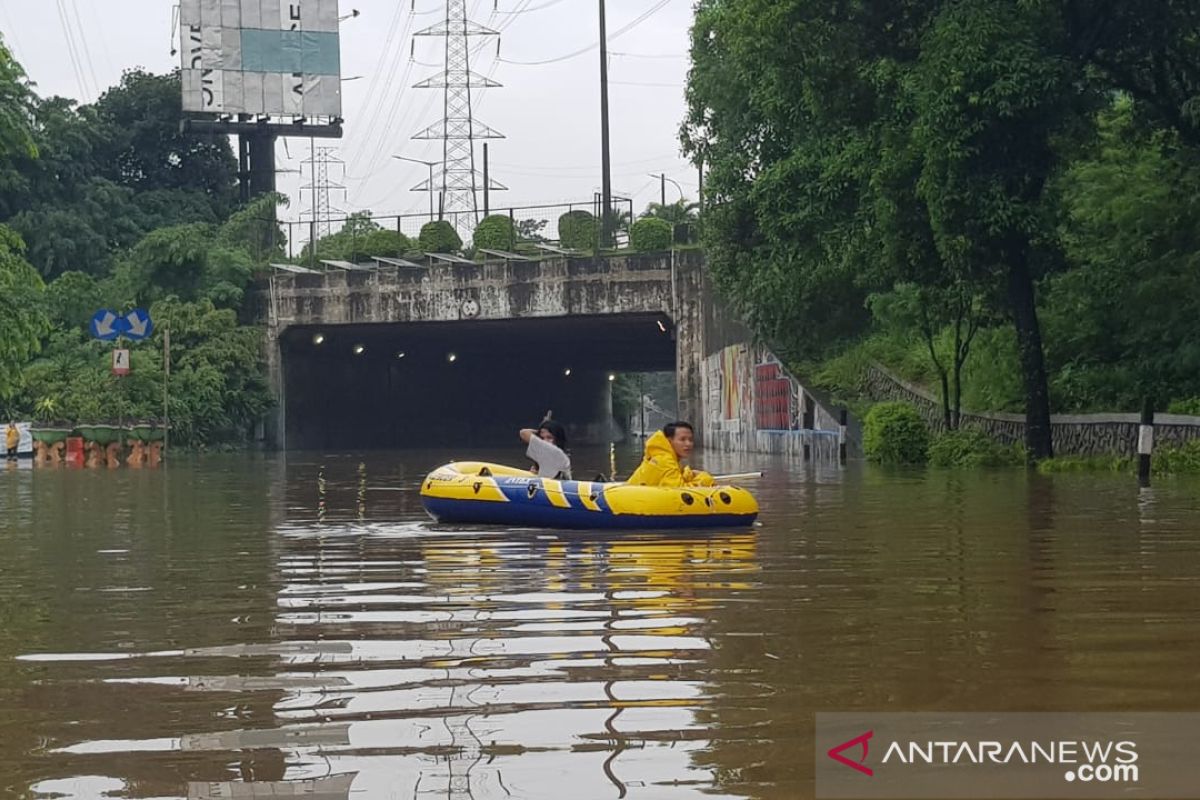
{"x": 273, "y": 57}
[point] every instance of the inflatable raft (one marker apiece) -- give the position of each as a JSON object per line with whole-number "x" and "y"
{"x": 477, "y": 492}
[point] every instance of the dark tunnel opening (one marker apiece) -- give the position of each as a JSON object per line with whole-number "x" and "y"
{"x": 470, "y": 383}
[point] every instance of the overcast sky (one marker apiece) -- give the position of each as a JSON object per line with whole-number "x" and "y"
{"x": 549, "y": 112}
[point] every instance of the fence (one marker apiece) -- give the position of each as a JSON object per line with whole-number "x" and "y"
{"x": 530, "y": 223}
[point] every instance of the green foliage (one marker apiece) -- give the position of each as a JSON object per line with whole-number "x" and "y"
{"x": 530, "y": 230}
{"x": 106, "y": 174}
{"x": 72, "y": 299}
{"x": 23, "y": 319}
{"x": 1068, "y": 464}
{"x": 16, "y": 105}
{"x": 650, "y": 234}
{"x": 894, "y": 433}
{"x": 969, "y": 447}
{"x": 1190, "y": 407}
{"x": 1181, "y": 460}
{"x": 1121, "y": 324}
{"x": 439, "y": 236}
{"x": 358, "y": 240}
{"x": 495, "y": 233}
{"x": 578, "y": 230}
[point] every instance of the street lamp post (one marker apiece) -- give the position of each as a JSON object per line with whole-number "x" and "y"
{"x": 431, "y": 165}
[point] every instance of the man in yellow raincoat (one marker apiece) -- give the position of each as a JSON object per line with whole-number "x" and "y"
{"x": 666, "y": 452}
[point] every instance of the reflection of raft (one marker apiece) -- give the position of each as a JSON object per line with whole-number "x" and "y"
{"x": 495, "y": 494}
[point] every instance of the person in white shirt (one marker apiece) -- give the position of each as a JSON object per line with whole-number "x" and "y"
{"x": 547, "y": 448}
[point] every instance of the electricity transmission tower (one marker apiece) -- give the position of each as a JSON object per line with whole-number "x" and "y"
{"x": 321, "y": 211}
{"x": 458, "y": 130}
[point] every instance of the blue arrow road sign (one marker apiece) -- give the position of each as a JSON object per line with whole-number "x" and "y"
{"x": 106, "y": 325}
{"x": 137, "y": 324}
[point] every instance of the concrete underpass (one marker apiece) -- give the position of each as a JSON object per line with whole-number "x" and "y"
{"x": 472, "y": 383}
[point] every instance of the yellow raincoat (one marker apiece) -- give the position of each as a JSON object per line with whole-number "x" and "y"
{"x": 661, "y": 467}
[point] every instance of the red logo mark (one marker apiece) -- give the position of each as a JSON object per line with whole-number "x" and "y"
{"x": 836, "y": 753}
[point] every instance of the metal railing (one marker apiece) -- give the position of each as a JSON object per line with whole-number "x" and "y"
{"x": 530, "y": 224}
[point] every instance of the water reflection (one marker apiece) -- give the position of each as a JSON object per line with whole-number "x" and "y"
{"x": 265, "y": 629}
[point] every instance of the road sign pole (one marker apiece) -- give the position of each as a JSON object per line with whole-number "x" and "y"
{"x": 166, "y": 381}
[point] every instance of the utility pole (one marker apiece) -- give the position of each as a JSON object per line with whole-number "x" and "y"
{"x": 606, "y": 184}
{"x": 663, "y": 188}
{"x": 486, "y": 180}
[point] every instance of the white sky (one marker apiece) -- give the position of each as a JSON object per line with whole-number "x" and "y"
{"x": 550, "y": 113}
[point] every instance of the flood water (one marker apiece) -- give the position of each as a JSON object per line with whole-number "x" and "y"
{"x": 252, "y": 626}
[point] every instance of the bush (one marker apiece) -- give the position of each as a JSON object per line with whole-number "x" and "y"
{"x": 1191, "y": 406}
{"x": 894, "y": 433}
{"x": 651, "y": 235}
{"x": 1061, "y": 464}
{"x": 1181, "y": 460}
{"x": 439, "y": 236}
{"x": 389, "y": 244}
{"x": 970, "y": 447}
{"x": 495, "y": 233}
{"x": 578, "y": 230}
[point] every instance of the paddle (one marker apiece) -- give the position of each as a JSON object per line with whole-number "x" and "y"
{"x": 737, "y": 476}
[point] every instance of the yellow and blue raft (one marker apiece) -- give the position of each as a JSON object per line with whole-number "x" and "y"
{"x": 477, "y": 492}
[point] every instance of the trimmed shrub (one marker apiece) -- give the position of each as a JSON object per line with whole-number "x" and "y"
{"x": 578, "y": 230}
{"x": 894, "y": 433}
{"x": 970, "y": 447}
{"x": 439, "y": 236}
{"x": 651, "y": 235}
{"x": 390, "y": 244}
{"x": 495, "y": 233}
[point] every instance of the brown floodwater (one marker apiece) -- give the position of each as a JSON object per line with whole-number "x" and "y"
{"x": 252, "y": 626}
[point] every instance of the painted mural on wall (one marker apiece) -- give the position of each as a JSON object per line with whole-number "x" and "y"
{"x": 749, "y": 389}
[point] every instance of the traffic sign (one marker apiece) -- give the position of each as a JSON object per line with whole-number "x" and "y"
{"x": 106, "y": 325}
{"x": 138, "y": 325}
{"x": 120, "y": 362}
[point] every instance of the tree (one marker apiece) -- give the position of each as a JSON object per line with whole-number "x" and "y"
{"x": 530, "y": 230}
{"x": 1121, "y": 323}
{"x": 16, "y": 108}
{"x": 145, "y": 148}
{"x": 22, "y": 314}
{"x": 806, "y": 111}
{"x": 681, "y": 212}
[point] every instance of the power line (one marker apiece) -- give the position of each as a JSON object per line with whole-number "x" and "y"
{"x": 647, "y": 55}
{"x": 527, "y": 10}
{"x": 71, "y": 53}
{"x": 645, "y": 15}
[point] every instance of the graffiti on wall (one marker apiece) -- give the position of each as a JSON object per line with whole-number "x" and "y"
{"x": 753, "y": 391}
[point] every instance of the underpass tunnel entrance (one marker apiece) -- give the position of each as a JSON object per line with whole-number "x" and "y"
{"x": 470, "y": 383}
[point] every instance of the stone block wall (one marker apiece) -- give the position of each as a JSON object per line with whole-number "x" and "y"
{"x": 1074, "y": 434}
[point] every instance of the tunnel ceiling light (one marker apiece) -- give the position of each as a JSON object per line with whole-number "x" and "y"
{"x": 318, "y": 338}
{"x": 612, "y": 377}
{"x": 452, "y": 357}
{"x": 401, "y": 354}
{"x": 359, "y": 349}
{"x": 567, "y": 372}
{"x": 662, "y": 327}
